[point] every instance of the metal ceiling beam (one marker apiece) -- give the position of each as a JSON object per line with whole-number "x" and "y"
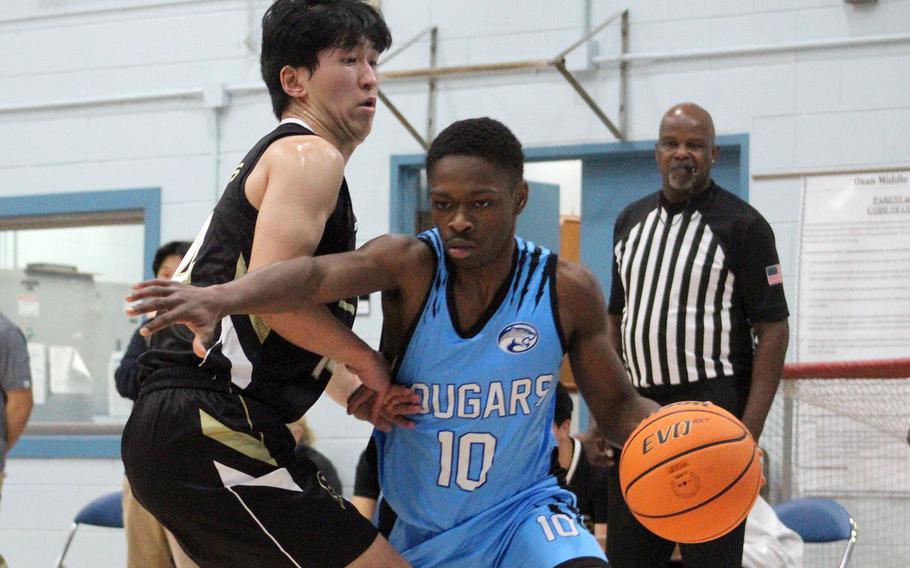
{"x": 558, "y": 63}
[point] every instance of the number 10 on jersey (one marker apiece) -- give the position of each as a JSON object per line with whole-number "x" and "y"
{"x": 458, "y": 453}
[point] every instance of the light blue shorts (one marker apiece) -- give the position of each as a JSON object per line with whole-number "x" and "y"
{"x": 538, "y": 528}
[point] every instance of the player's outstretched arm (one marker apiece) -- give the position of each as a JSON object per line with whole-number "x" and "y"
{"x": 295, "y": 189}
{"x": 596, "y": 367}
{"x": 279, "y": 287}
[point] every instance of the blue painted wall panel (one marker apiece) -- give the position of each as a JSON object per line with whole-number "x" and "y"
{"x": 539, "y": 222}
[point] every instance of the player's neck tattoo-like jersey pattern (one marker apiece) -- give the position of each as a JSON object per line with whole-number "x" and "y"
{"x": 257, "y": 361}
{"x": 487, "y": 396}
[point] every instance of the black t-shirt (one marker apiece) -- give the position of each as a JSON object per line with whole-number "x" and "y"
{"x": 587, "y": 482}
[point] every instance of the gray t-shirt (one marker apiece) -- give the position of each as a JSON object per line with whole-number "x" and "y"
{"x": 15, "y": 372}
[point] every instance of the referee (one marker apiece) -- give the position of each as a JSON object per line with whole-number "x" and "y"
{"x": 697, "y": 311}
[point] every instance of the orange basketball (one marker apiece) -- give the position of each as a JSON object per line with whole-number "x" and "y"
{"x": 690, "y": 472}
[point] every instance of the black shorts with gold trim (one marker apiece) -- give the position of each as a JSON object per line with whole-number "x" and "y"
{"x": 218, "y": 470}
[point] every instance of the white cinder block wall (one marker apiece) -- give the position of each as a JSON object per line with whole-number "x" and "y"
{"x": 110, "y": 94}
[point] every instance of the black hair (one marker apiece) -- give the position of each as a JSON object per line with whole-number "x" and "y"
{"x": 173, "y": 248}
{"x": 483, "y": 138}
{"x": 295, "y": 31}
{"x": 564, "y": 405}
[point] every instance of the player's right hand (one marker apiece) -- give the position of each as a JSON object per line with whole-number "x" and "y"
{"x": 198, "y": 308}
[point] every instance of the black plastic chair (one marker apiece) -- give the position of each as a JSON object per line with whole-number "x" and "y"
{"x": 819, "y": 520}
{"x": 105, "y": 511}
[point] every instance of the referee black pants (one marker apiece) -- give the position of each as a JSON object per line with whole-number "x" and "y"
{"x": 629, "y": 543}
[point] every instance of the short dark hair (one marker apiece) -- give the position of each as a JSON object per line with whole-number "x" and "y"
{"x": 173, "y": 248}
{"x": 483, "y": 138}
{"x": 295, "y": 31}
{"x": 564, "y": 405}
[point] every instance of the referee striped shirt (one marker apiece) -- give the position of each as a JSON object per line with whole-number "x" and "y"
{"x": 689, "y": 280}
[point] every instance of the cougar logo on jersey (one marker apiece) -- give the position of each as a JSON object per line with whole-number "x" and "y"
{"x": 518, "y": 338}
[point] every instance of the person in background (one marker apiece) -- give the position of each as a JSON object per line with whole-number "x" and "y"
{"x": 15, "y": 391}
{"x": 366, "y": 482}
{"x": 367, "y": 492}
{"x": 148, "y": 544}
{"x": 167, "y": 258}
{"x": 586, "y": 481}
{"x": 305, "y": 450}
{"x": 697, "y": 312}
{"x": 769, "y": 543}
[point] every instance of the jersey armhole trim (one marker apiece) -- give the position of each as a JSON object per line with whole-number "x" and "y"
{"x": 552, "y": 270}
{"x": 283, "y": 130}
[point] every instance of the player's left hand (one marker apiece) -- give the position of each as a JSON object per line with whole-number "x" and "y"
{"x": 397, "y": 402}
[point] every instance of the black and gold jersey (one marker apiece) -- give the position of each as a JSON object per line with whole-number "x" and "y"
{"x": 259, "y": 362}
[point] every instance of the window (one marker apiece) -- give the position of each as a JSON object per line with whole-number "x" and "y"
{"x": 65, "y": 263}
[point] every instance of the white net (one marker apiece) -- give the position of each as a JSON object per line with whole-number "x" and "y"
{"x": 846, "y": 439}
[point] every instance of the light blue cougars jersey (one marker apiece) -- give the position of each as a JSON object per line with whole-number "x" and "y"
{"x": 487, "y": 396}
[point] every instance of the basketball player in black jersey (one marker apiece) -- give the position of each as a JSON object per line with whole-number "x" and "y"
{"x": 206, "y": 448}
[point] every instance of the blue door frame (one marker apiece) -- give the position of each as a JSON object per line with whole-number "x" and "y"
{"x": 147, "y": 200}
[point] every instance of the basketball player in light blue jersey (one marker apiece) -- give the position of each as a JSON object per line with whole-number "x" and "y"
{"x": 476, "y": 321}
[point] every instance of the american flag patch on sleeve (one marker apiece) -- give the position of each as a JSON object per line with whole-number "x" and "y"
{"x": 774, "y": 275}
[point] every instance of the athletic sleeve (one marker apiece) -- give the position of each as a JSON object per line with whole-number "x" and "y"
{"x": 758, "y": 277}
{"x": 15, "y": 371}
{"x": 366, "y": 479}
